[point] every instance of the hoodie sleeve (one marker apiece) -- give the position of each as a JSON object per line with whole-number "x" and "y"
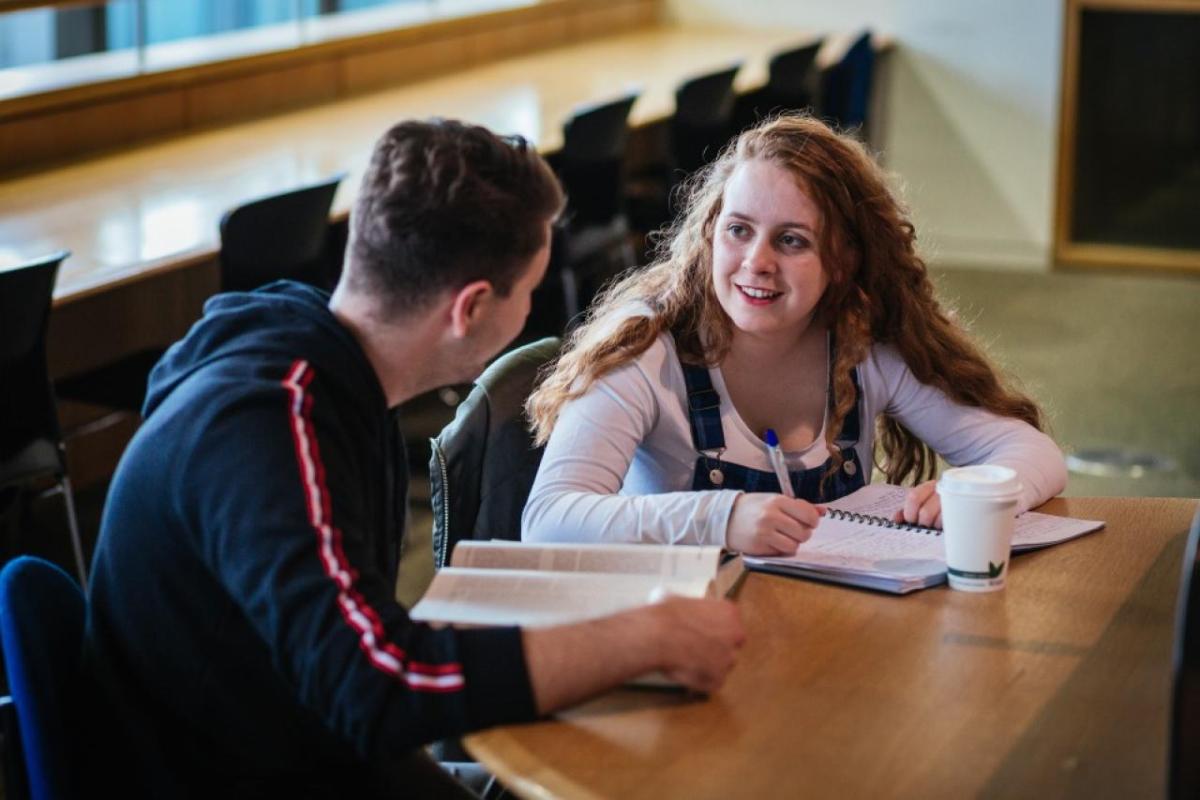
{"x": 281, "y": 514}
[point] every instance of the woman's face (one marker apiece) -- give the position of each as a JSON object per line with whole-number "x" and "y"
{"x": 767, "y": 272}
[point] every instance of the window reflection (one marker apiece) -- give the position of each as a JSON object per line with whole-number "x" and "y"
{"x": 49, "y": 48}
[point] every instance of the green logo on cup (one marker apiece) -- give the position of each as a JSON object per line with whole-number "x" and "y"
{"x": 994, "y": 571}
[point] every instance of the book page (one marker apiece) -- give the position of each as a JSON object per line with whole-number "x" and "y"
{"x": 681, "y": 562}
{"x": 536, "y": 599}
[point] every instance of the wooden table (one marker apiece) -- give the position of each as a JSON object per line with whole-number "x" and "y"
{"x": 1057, "y": 686}
{"x": 131, "y": 215}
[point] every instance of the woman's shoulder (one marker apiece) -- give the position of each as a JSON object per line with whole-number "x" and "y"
{"x": 650, "y": 363}
{"x": 657, "y": 359}
{"x": 884, "y": 359}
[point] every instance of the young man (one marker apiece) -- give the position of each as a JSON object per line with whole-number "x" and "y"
{"x": 242, "y": 628}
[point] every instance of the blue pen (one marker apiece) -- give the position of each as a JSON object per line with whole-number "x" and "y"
{"x": 775, "y": 455}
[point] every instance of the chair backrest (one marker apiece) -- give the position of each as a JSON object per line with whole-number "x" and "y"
{"x": 591, "y": 159}
{"x": 27, "y": 410}
{"x": 484, "y": 462}
{"x": 281, "y": 236}
{"x": 41, "y": 634}
{"x": 846, "y": 87}
{"x": 1183, "y": 779}
{"x": 702, "y": 121}
{"x": 793, "y": 77}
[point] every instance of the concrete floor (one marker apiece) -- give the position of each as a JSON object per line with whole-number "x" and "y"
{"x": 1114, "y": 359}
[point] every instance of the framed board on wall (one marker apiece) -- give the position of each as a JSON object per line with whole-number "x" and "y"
{"x": 1129, "y": 144}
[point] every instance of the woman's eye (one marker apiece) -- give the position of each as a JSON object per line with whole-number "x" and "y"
{"x": 793, "y": 241}
{"x": 736, "y": 229}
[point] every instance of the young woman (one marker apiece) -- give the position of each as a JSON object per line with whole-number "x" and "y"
{"x": 788, "y": 296}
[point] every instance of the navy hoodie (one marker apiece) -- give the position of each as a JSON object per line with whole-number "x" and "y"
{"x": 242, "y": 628}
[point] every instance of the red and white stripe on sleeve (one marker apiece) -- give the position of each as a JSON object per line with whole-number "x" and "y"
{"x": 359, "y": 615}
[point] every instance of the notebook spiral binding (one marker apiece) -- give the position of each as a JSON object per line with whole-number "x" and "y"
{"x": 882, "y": 522}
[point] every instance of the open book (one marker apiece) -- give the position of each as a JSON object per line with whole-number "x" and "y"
{"x": 512, "y": 583}
{"x": 857, "y": 543}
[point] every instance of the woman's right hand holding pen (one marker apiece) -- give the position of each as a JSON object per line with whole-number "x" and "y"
{"x": 769, "y": 524}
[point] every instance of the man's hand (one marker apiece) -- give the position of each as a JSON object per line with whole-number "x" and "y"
{"x": 691, "y": 641}
{"x": 922, "y": 506}
{"x": 699, "y": 641}
{"x": 768, "y": 524}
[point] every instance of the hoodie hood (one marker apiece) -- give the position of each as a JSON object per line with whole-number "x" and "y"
{"x": 273, "y": 322}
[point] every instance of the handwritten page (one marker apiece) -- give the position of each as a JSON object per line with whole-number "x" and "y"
{"x": 876, "y": 499}
{"x": 896, "y": 560}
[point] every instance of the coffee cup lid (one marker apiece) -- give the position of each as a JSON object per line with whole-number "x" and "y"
{"x": 980, "y": 480}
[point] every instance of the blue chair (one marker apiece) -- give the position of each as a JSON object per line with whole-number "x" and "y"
{"x": 41, "y": 635}
{"x": 791, "y": 85}
{"x": 846, "y": 86}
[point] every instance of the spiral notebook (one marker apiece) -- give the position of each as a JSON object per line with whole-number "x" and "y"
{"x": 858, "y": 544}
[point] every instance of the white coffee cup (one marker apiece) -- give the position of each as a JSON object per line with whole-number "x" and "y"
{"x": 979, "y": 509}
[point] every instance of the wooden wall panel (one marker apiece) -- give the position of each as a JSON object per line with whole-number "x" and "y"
{"x": 393, "y": 66}
{"x": 262, "y": 93}
{"x": 67, "y": 132}
{"x": 499, "y": 43}
{"x": 549, "y": 33}
{"x": 605, "y": 19}
{"x": 151, "y": 312}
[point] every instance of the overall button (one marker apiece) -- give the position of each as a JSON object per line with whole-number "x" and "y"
{"x": 850, "y": 467}
{"x": 716, "y": 476}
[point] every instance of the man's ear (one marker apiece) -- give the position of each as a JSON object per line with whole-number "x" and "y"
{"x": 468, "y": 306}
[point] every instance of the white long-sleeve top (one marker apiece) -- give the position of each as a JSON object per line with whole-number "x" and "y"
{"x": 619, "y": 463}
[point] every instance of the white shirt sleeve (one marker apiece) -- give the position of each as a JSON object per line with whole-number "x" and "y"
{"x": 577, "y": 493}
{"x": 965, "y": 435}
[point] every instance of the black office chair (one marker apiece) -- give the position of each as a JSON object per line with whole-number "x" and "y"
{"x": 41, "y": 634}
{"x": 31, "y": 445}
{"x": 791, "y": 85}
{"x": 484, "y": 462}
{"x": 593, "y": 243}
{"x": 846, "y": 86}
{"x": 283, "y": 236}
{"x": 1183, "y": 774}
{"x": 702, "y": 122}
{"x": 701, "y": 126}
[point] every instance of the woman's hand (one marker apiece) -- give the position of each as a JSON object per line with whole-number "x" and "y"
{"x": 768, "y": 524}
{"x": 923, "y": 506}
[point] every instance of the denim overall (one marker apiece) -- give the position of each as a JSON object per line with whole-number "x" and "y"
{"x": 704, "y": 414}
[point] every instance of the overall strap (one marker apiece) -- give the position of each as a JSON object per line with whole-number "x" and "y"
{"x": 704, "y": 408}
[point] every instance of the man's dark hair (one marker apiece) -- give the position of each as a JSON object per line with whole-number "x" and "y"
{"x": 444, "y": 203}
